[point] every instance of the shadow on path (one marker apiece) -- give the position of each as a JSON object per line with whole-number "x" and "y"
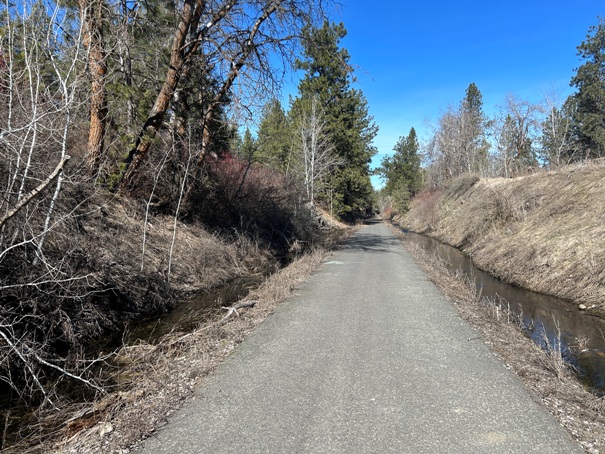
{"x": 370, "y": 240}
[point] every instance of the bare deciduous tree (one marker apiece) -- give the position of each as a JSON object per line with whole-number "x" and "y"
{"x": 227, "y": 40}
{"x": 556, "y": 138}
{"x": 515, "y": 131}
{"x": 44, "y": 59}
{"x": 316, "y": 154}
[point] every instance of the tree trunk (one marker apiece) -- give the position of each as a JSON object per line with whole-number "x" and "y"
{"x": 91, "y": 13}
{"x": 189, "y": 19}
{"x": 181, "y": 52}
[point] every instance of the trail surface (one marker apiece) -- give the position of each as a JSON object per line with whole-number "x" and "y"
{"x": 368, "y": 357}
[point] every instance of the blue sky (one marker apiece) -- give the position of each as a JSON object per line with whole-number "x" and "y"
{"x": 414, "y": 58}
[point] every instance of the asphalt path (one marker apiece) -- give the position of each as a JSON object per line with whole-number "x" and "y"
{"x": 367, "y": 357}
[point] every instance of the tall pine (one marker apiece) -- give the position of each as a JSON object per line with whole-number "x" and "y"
{"x": 349, "y": 127}
{"x": 589, "y": 112}
{"x": 472, "y": 128}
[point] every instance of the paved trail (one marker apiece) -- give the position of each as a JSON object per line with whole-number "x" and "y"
{"x": 368, "y": 357}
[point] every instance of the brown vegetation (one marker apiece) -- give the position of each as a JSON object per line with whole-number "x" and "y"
{"x": 545, "y": 373}
{"x": 149, "y": 387}
{"x": 543, "y": 231}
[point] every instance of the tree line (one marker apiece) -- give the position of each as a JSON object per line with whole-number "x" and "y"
{"x": 109, "y": 106}
{"x": 519, "y": 139}
{"x": 324, "y": 141}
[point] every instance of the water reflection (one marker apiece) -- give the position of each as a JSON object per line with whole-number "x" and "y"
{"x": 542, "y": 315}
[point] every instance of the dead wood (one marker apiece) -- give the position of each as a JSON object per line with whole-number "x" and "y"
{"x": 34, "y": 192}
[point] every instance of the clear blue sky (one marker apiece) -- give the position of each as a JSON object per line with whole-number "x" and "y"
{"x": 413, "y": 58}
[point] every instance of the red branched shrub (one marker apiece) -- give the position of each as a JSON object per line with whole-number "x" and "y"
{"x": 253, "y": 199}
{"x": 424, "y": 211}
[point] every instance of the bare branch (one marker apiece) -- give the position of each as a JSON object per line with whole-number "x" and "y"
{"x": 36, "y": 191}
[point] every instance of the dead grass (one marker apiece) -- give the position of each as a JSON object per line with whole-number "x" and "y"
{"x": 545, "y": 231}
{"x": 154, "y": 380}
{"x": 544, "y": 373}
{"x": 200, "y": 259}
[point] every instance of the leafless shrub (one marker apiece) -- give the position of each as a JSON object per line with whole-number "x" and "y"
{"x": 42, "y": 281}
{"x": 554, "y": 357}
{"x": 505, "y": 207}
{"x": 424, "y": 215}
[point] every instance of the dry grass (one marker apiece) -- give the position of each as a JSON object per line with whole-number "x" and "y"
{"x": 150, "y": 387}
{"x": 545, "y": 231}
{"x": 545, "y": 373}
{"x": 200, "y": 259}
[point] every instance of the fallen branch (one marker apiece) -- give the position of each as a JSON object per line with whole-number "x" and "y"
{"x": 233, "y": 310}
{"x": 34, "y": 192}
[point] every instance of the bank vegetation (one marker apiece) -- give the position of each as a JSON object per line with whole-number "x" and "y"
{"x": 542, "y": 231}
{"x": 127, "y": 183}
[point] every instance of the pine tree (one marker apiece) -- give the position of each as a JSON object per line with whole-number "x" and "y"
{"x": 473, "y": 123}
{"x": 349, "y": 127}
{"x": 589, "y": 114}
{"x": 274, "y": 139}
{"x": 402, "y": 171}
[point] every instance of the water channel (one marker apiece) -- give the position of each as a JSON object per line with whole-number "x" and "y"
{"x": 542, "y": 315}
{"x": 185, "y": 317}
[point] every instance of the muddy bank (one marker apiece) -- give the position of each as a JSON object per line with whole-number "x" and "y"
{"x": 543, "y": 231}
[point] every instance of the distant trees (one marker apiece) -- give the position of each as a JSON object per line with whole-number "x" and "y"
{"x": 401, "y": 171}
{"x": 459, "y": 144}
{"x": 523, "y": 136}
{"x": 324, "y": 142}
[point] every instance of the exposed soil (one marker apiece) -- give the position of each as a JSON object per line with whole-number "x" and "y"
{"x": 544, "y": 232}
{"x": 544, "y": 373}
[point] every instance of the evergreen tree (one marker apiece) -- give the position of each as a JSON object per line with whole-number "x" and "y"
{"x": 402, "y": 171}
{"x": 349, "y": 127}
{"x": 589, "y": 114}
{"x": 274, "y": 139}
{"x": 249, "y": 147}
{"x": 472, "y": 130}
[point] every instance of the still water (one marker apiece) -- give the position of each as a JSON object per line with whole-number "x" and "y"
{"x": 542, "y": 315}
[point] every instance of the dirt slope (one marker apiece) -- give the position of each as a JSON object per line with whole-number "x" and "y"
{"x": 545, "y": 231}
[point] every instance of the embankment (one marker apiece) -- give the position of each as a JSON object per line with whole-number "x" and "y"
{"x": 544, "y": 232}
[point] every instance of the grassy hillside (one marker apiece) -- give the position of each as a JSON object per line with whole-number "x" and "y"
{"x": 544, "y": 231}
